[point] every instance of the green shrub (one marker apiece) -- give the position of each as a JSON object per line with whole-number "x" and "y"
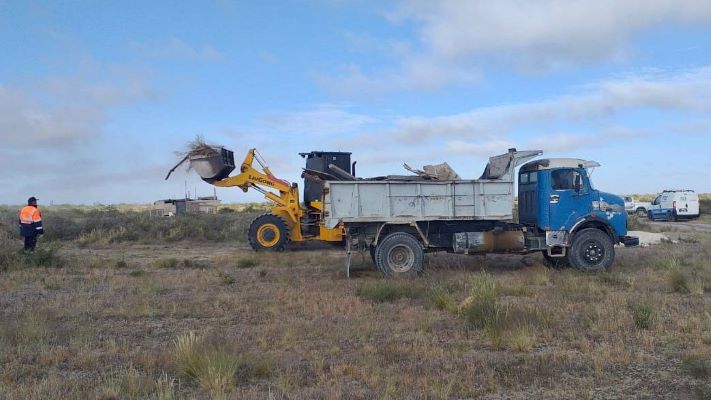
{"x": 387, "y": 291}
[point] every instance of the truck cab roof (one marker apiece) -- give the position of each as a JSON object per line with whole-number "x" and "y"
{"x": 551, "y": 163}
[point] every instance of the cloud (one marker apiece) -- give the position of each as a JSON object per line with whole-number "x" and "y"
{"x": 412, "y": 73}
{"x": 62, "y": 111}
{"x": 324, "y": 119}
{"x": 482, "y": 149}
{"x": 456, "y": 41}
{"x": 563, "y": 142}
{"x": 541, "y": 35}
{"x": 682, "y": 91}
{"x": 175, "y": 48}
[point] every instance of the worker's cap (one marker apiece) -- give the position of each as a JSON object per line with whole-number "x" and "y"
{"x": 32, "y": 199}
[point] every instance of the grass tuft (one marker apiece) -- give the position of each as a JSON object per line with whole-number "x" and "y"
{"x": 387, "y": 291}
{"x": 643, "y": 314}
{"x": 481, "y": 309}
{"x": 697, "y": 366}
{"x": 247, "y": 262}
{"x": 211, "y": 366}
{"x": 442, "y": 299}
{"x": 678, "y": 280}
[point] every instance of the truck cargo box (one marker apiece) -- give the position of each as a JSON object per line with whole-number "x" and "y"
{"x": 407, "y": 201}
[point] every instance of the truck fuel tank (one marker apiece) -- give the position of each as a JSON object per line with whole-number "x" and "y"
{"x": 488, "y": 242}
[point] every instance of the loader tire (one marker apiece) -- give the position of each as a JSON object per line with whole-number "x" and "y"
{"x": 592, "y": 251}
{"x": 399, "y": 254}
{"x": 268, "y": 232}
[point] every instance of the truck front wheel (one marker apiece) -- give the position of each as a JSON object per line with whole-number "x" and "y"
{"x": 399, "y": 254}
{"x": 641, "y": 212}
{"x": 592, "y": 251}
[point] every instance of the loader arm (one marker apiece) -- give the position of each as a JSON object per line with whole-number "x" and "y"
{"x": 262, "y": 180}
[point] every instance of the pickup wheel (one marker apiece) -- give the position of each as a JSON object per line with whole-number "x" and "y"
{"x": 268, "y": 232}
{"x": 555, "y": 262}
{"x": 641, "y": 212}
{"x": 399, "y": 254}
{"x": 592, "y": 251}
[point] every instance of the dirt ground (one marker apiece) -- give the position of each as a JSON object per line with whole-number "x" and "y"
{"x": 107, "y": 324}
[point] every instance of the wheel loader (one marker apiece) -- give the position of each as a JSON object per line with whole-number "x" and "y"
{"x": 288, "y": 220}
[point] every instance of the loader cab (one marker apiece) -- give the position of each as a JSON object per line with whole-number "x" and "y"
{"x": 554, "y": 194}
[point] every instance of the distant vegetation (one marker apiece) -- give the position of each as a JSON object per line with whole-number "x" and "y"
{"x": 109, "y": 224}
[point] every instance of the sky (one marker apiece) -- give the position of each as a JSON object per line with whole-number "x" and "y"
{"x": 96, "y": 97}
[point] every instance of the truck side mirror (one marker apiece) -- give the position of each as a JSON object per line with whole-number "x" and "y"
{"x": 577, "y": 183}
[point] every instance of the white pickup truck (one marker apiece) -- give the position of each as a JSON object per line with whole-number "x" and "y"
{"x": 639, "y": 208}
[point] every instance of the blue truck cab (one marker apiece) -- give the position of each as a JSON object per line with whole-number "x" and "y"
{"x": 581, "y": 225}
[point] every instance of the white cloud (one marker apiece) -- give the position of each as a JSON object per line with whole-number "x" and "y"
{"x": 685, "y": 91}
{"x": 481, "y": 149}
{"x": 457, "y": 40}
{"x": 64, "y": 110}
{"x": 543, "y": 34}
{"x": 324, "y": 119}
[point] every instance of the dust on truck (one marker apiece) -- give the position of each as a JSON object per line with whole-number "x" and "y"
{"x": 560, "y": 214}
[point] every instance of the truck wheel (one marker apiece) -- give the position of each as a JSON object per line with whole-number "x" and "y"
{"x": 592, "y": 251}
{"x": 555, "y": 262}
{"x": 268, "y": 232}
{"x": 674, "y": 217}
{"x": 399, "y": 254}
{"x": 371, "y": 250}
{"x": 641, "y": 212}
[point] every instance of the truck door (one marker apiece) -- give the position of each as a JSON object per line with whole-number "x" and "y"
{"x": 528, "y": 197}
{"x": 570, "y": 197}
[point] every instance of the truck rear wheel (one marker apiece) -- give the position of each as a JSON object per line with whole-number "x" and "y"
{"x": 399, "y": 254}
{"x": 268, "y": 232}
{"x": 592, "y": 251}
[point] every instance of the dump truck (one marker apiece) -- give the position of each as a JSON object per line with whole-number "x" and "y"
{"x": 560, "y": 214}
{"x": 397, "y": 219}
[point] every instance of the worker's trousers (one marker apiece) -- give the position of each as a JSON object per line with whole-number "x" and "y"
{"x": 30, "y": 242}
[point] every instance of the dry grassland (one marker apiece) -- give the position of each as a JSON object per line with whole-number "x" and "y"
{"x": 211, "y": 319}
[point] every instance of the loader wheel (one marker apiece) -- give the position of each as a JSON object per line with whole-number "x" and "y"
{"x": 268, "y": 232}
{"x": 592, "y": 251}
{"x": 399, "y": 254}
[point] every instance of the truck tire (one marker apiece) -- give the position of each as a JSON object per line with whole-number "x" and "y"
{"x": 592, "y": 251}
{"x": 399, "y": 254}
{"x": 268, "y": 232}
{"x": 555, "y": 262}
{"x": 641, "y": 212}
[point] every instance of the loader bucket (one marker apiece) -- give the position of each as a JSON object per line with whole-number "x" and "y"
{"x": 213, "y": 167}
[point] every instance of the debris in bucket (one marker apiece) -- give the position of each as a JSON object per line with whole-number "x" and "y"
{"x": 194, "y": 148}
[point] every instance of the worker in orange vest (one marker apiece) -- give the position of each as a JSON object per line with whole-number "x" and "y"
{"x": 31, "y": 223}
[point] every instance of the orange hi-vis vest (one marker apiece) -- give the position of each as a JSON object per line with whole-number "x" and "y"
{"x": 30, "y": 215}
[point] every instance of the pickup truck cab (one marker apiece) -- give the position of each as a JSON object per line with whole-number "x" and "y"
{"x": 672, "y": 205}
{"x": 639, "y": 208}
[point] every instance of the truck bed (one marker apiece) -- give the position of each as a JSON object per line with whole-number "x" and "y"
{"x": 407, "y": 201}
